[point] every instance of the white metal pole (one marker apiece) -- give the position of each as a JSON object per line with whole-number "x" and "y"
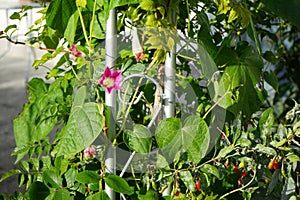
{"x": 110, "y": 99}
{"x": 169, "y": 93}
{"x": 169, "y": 87}
{"x": 169, "y": 84}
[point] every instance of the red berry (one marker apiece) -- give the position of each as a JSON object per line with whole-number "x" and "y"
{"x": 240, "y": 181}
{"x": 198, "y": 185}
{"x": 226, "y": 164}
{"x": 236, "y": 168}
{"x": 177, "y": 193}
{"x": 270, "y": 165}
{"x": 244, "y": 174}
{"x": 275, "y": 164}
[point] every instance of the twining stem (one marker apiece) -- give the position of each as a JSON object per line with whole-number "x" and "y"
{"x": 83, "y": 28}
{"x": 131, "y": 103}
{"x": 92, "y": 22}
{"x": 188, "y": 14}
{"x": 241, "y": 188}
{"x": 128, "y": 109}
{"x": 30, "y": 45}
{"x": 258, "y": 46}
{"x": 75, "y": 73}
{"x": 210, "y": 109}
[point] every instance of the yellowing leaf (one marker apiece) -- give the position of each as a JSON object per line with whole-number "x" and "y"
{"x": 81, "y": 3}
{"x": 233, "y": 15}
{"x": 148, "y": 5}
{"x": 223, "y": 6}
{"x": 238, "y": 11}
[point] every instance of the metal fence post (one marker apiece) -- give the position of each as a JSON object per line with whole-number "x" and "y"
{"x": 110, "y": 99}
{"x": 169, "y": 86}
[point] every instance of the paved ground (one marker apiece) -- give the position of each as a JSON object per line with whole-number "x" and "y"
{"x": 13, "y": 67}
{"x": 12, "y": 98}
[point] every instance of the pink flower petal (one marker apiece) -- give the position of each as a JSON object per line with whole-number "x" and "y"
{"x": 74, "y": 51}
{"x": 112, "y": 75}
{"x": 89, "y": 152}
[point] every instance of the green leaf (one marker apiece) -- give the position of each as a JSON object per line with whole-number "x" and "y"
{"x": 15, "y": 15}
{"x": 38, "y": 191}
{"x": 267, "y": 150}
{"x": 80, "y": 97}
{"x": 293, "y": 158}
{"x": 70, "y": 176}
{"x": 88, "y": 177}
{"x": 81, "y": 3}
{"x": 287, "y": 9}
{"x": 118, "y": 184}
{"x": 193, "y": 138}
{"x": 274, "y": 181}
{"x": 110, "y": 4}
{"x": 139, "y": 140}
{"x": 71, "y": 28}
{"x": 24, "y": 166}
{"x": 39, "y": 116}
{"x": 269, "y": 56}
{"x": 204, "y": 34}
{"x": 188, "y": 180}
{"x": 148, "y": 5}
{"x": 233, "y": 14}
{"x": 83, "y": 127}
{"x": 271, "y": 79}
{"x": 207, "y": 168}
{"x": 99, "y": 27}
{"x": 265, "y": 123}
{"x": 165, "y": 135}
{"x": 225, "y": 151}
{"x": 63, "y": 194}
{"x": 237, "y": 90}
{"x": 99, "y": 196}
{"x": 10, "y": 173}
{"x": 52, "y": 177}
{"x": 289, "y": 188}
{"x": 244, "y": 142}
{"x": 150, "y": 194}
{"x": 58, "y": 14}
{"x": 12, "y": 26}
{"x": 223, "y": 6}
{"x": 161, "y": 162}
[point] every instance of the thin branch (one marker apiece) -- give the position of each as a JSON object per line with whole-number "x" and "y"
{"x": 40, "y": 48}
{"x": 241, "y": 188}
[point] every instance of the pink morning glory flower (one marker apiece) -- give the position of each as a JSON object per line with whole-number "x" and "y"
{"x": 89, "y": 152}
{"x": 111, "y": 79}
{"x": 74, "y": 51}
{"x": 139, "y": 56}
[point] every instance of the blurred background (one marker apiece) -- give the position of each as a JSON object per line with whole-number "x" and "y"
{"x": 15, "y": 70}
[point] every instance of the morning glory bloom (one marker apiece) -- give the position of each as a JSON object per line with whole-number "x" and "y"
{"x": 111, "y": 79}
{"x": 140, "y": 56}
{"x": 74, "y": 51}
{"x": 89, "y": 152}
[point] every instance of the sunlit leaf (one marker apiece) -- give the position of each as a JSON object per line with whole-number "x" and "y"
{"x": 83, "y": 127}
{"x": 207, "y": 168}
{"x": 139, "y": 140}
{"x": 88, "y": 177}
{"x": 59, "y": 13}
{"x": 118, "y": 184}
{"x": 188, "y": 180}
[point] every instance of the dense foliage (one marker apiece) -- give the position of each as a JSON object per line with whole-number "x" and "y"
{"x": 239, "y": 64}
